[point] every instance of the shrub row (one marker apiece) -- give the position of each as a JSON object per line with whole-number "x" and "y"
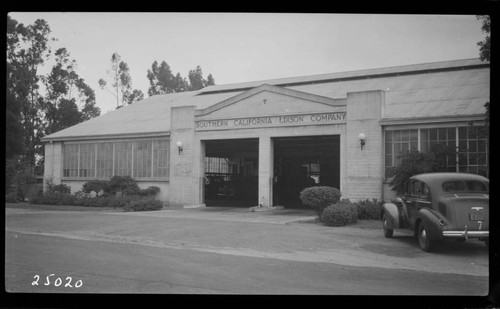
{"x": 124, "y": 184}
{"x": 335, "y": 212}
{"x": 128, "y": 203}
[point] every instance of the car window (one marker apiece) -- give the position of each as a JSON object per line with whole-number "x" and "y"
{"x": 464, "y": 186}
{"x": 415, "y": 189}
{"x": 425, "y": 191}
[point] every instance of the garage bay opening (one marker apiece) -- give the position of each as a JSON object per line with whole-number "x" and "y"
{"x": 301, "y": 162}
{"x": 231, "y": 172}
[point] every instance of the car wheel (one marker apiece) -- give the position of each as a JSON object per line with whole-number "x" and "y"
{"x": 387, "y": 231}
{"x": 425, "y": 243}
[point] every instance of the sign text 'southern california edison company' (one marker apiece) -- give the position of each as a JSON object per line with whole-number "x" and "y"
{"x": 271, "y": 121}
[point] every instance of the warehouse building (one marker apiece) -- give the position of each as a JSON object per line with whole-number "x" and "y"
{"x": 261, "y": 142}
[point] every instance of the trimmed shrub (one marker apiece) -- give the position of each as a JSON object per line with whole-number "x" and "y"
{"x": 320, "y": 197}
{"x": 95, "y": 186}
{"x": 143, "y": 205}
{"x": 150, "y": 191}
{"x": 341, "y": 213}
{"x": 369, "y": 210}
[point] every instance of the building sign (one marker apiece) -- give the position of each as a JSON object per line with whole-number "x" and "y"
{"x": 271, "y": 121}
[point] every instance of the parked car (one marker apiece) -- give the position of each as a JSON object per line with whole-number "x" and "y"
{"x": 438, "y": 206}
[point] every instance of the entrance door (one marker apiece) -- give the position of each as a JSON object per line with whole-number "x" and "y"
{"x": 231, "y": 172}
{"x": 302, "y": 162}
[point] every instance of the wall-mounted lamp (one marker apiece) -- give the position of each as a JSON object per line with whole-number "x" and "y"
{"x": 179, "y": 146}
{"x": 362, "y": 139}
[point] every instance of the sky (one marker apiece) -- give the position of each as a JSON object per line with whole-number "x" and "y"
{"x": 243, "y": 47}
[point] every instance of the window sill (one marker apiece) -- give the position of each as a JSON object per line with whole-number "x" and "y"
{"x": 163, "y": 179}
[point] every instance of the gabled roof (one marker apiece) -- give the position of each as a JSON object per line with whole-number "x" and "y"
{"x": 423, "y": 91}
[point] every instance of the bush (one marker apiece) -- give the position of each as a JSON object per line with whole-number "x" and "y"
{"x": 339, "y": 214}
{"x": 143, "y": 205}
{"x": 60, "y": 188}
{"x": 369, "y": 210}
{"x": 95, "y": 186}
{"x": 320, "y": 197}
{"x": 53, "y": 198}
{"x": 125, "y": 184}
{"x": 150, "y": 191}
{"x": 11, "y": 197}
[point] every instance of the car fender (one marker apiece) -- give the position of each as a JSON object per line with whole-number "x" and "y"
{"x": 392, "y": 212}
{"x": 432, "y": 221}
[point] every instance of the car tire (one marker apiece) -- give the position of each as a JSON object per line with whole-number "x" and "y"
{"x": 388, "y": 233}
{"x": 424, "y": 242}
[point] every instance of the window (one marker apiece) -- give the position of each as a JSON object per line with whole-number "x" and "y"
{"x": 142, "y": 159}
{"x": 473, "y": 150}
{"x": 462, "y": 186}
{"x": 471, "y": 142}
{"x": 70, "y": 160}
{"x": 104, "y": 160}
{"x": 396, "y": 143}
{"x": 139, "y": 159}
{"x": 160, "y": 158}
{"x": 87, "y": 160}
{"x": 123, "y": 159}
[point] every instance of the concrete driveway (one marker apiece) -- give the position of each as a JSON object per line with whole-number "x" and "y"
{"x": 280, "y": 235}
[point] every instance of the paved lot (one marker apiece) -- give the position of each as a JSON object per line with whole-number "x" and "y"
{"x": 199, "y": 240}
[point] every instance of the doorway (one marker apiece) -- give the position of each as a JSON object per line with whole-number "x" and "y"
{"x": 302, "y": 162}
{"x": 231, "y": 172}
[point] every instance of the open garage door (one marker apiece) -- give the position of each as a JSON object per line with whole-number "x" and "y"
{"x": 301, "y": 162}
{"x": 231, "y": 172}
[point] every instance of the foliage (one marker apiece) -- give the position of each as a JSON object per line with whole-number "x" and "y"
{"x": 147, "y": 204}
{"x": 149, "y": 191}
{"x": 485, "y": 45}
{"x": 339, "y": 214}
{"x": 320, "y": 197}
{"x": 125, "y": 184}
{"x": 121, "y": 82}
{"x": 11, "y": 197}
{"x": 60, "y": 188}
{"x": 95, "y": 186}
{"x": 162, "y": 80}
{"x": 53, "y": 198}
{"x": 369, "y": 210}
{"x": 414, "y": 162}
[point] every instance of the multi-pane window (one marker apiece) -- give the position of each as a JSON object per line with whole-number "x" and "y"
{"x": 142, "y": 159}
{"x": 160, "y": 158}
{"x": 471, "y": 143}
{"x": 473, "y": 150}
{"x": 87, "y": 160}
{"x": 70, "y": 160}
{"x": 216, "y": 165}
{"x": 104, "y": 160}
{"x": 139, "y": 159}
{"x": 396, "y": 143}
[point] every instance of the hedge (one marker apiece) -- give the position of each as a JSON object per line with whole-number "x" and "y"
{"x": 320, "y": 197}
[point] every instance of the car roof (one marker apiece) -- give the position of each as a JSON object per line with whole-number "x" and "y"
{"x": 431, "y": 178}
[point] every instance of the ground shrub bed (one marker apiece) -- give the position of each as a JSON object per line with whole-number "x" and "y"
{"x": 132, "y": 198}
{"x": 333, "y": 211}
{"x": 369, "y": 209}
{"x": 341, "y": 213}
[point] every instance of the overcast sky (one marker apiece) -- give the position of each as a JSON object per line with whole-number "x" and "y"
{"x": 257, "y": 46}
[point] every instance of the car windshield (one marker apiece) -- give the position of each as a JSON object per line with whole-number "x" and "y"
{"x": 465, "y": 186}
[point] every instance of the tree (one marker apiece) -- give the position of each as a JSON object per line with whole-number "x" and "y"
{"x": 121, "y": 82}
{"x": 69, "y": 99}
{"x": 484, "y": 55}
{"x": 414, "y": 162}
{"x": 484, "y": 46}
{"x": 27, "y": 51}
{"x": 196, "y": 79}
{"x": 161, "y": 79}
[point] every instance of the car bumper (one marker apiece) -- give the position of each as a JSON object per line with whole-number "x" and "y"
{"x": 466, "y": 234}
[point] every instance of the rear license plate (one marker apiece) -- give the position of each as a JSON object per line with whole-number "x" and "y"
{"x": 477, "y": 217}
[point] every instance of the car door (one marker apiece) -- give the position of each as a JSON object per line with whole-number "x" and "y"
{"x": 412, "y": 202}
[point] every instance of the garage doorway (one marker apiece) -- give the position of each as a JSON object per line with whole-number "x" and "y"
{"x": 301, "y": 162}
{"x": 231, "y": 172}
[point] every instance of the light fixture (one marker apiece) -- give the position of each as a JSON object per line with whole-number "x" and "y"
{"x": 362, "y": 138}
{"x": 179, "y": 146}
